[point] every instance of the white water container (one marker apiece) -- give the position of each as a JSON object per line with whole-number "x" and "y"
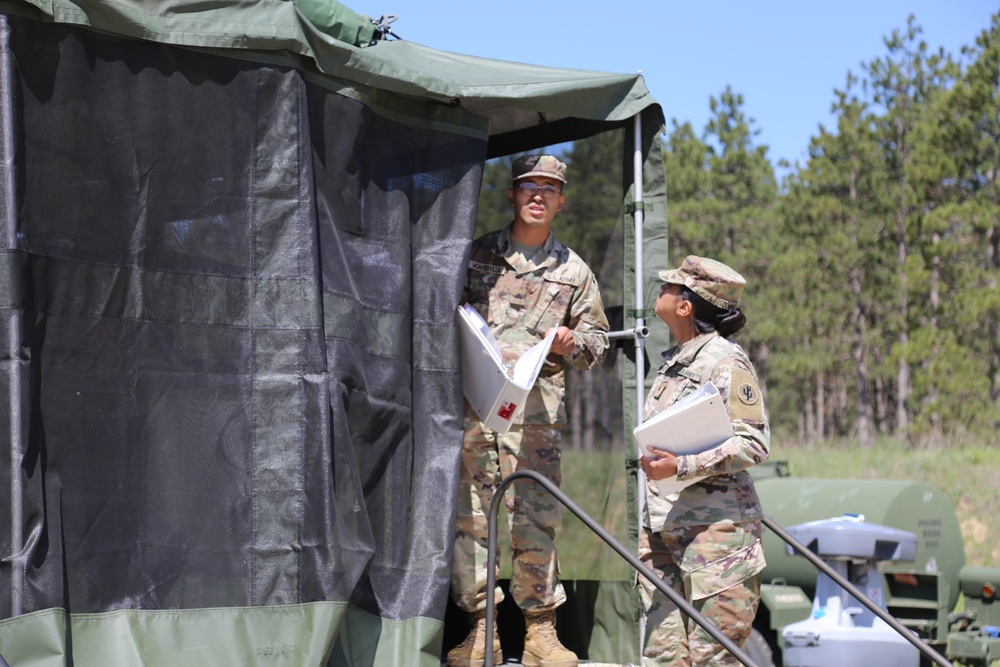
{"x": 841, "y": 632}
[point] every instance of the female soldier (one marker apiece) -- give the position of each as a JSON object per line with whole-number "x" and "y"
{"x": 705, "y": 540}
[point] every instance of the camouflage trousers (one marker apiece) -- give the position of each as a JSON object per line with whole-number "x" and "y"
{"x": 532, "y": 514}
{"x": 717, "y": 569}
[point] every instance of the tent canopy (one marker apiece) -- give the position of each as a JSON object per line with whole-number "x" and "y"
{"x": 518, "y": 106}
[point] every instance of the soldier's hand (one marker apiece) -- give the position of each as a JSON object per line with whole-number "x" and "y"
{"x": 563, "y": 343}
{"x": 662, "y": 466}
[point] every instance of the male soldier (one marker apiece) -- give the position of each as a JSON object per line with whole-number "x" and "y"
{"x": 524, "y": 283}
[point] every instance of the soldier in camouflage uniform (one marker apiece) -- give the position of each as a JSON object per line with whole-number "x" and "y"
{"x": 524, "y": 283}
{"x": 705, "y": 541}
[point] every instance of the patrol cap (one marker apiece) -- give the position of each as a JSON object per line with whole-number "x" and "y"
{"x": 538, "y": 165}
{"x": 712, "y": 280}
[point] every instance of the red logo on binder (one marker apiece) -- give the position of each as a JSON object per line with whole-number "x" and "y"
{"x": 506, "y": 410}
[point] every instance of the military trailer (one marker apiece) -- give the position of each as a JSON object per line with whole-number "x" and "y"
{"x": 946, "y": 603}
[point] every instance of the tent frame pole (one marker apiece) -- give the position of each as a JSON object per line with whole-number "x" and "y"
{"x": 640, "y": 329}
{"x": 637, "y": 220}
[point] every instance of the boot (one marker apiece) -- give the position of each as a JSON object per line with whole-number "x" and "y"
{"x": 472, "y": 651}
{"x": 541, "y": 645}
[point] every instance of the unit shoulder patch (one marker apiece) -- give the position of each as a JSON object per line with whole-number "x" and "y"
{"x": 745, "y": 401}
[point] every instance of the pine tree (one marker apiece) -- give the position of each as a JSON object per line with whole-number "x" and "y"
{"x": 494, "y": 211}
{"x": 742, "y": 184}
{"x": 901, "y": 84}
{"x": 591, "y": 224}
{"x": 831, "y": 265}
{"x": 688, "y": 181}
{"x": 956, "y": 167}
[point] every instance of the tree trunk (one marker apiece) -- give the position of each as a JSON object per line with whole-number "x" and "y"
{"x": 881, "y": 407}
{"x": 589, "y": 411}
{"x": 761, "y": 358}
{"x": 903, "y": 372}
{"x": 574, "y": 408}
{"x": 800, "y": 418}
{"x": 935, "y": 304}
{"x": 865, "y": 427}
{"x": 840, "y": 420}
{"x": 820, "y": 407}
{"x": 993, "y": 261}
{"x": 811, "y": 413}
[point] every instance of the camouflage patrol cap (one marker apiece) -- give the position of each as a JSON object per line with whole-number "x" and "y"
{"x": 538, "y": 165}
{"x": 713, "y": 281}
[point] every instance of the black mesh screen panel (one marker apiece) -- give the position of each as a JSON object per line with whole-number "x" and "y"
{"x": 236, "y": 292}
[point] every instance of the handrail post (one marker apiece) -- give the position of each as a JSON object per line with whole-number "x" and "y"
{"x": 598, "y": 529}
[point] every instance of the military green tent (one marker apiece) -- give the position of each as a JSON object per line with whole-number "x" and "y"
{"x": 234, "y": 238}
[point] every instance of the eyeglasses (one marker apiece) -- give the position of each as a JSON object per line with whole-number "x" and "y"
{"x": 531, "y": 189}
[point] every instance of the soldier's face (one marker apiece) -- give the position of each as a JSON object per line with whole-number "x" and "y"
{"x": 536, "y": 210}
{"x": 672, "y": 309}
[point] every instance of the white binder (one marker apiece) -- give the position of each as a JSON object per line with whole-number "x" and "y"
{"x": 697, "y": 422}
{"x": 495, "y": 395}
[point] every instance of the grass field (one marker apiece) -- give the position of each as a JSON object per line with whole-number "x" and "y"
{"x": 968, "y": 474}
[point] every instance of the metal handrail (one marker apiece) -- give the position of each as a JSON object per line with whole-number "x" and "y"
{"x": 825, "y": 568}
{"x": 599, "y": 530}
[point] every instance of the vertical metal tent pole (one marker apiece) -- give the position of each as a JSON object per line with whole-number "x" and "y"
{"x": 8, "y": 218}
{"x": 640, "y": 322}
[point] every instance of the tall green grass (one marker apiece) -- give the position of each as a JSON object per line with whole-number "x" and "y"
{"x": 967, "y": 473}
{"x": 596, "y": 482}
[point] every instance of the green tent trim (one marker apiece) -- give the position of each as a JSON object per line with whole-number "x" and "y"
{"x": 302, "y": 634}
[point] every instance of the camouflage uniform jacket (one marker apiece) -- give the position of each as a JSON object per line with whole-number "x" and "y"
{"x": 729, "y": 493}
{"x": 521, "y": 300}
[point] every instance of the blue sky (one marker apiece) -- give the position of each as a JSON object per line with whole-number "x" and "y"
{"x": 785, "y": 57}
